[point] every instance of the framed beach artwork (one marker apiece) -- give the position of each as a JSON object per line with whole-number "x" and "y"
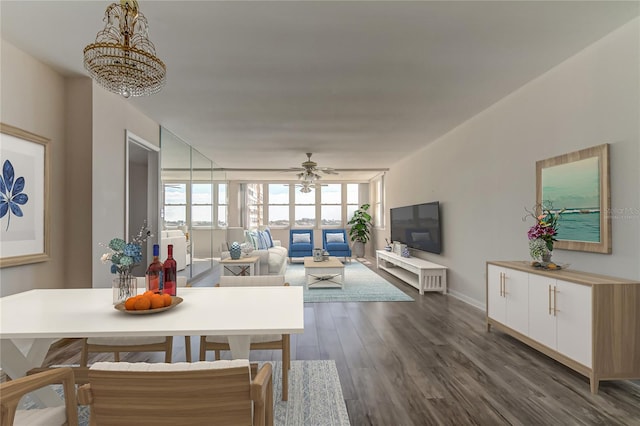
{"x": 578, "y": 183}
{"x": 24, "y": 197}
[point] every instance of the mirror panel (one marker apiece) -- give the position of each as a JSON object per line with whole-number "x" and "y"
{"x": 188, "y": 204}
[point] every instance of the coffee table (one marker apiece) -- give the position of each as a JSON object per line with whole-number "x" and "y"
{"x": 325, "y": 274}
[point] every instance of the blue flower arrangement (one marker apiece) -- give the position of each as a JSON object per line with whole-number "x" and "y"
{"x": 125, "y": 256}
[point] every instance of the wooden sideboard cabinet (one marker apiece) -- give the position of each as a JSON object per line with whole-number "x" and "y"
{"x": 588, "y": 322}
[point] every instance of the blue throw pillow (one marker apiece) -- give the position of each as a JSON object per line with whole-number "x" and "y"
{"x": 263, "y": 242}
{"x": 269, "y": 238}
{"x": 252, "y": 237}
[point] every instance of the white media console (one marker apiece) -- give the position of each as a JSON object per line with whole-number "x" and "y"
{"x": 420, "y": 273}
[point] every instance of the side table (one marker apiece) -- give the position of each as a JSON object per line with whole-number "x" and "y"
{"x": 240, "y": 267}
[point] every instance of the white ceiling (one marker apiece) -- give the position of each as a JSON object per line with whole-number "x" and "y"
{"x": 360, "y": 84}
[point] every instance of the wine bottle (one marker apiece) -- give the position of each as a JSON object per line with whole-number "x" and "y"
{"x": 169, "y": 273}
{"x": 154, "y": 272}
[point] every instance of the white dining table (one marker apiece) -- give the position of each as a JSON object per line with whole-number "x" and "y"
{"x": 31, "y": 321}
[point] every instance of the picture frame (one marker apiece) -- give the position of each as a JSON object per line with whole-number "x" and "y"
{"x": 24, "y": 197}
{"x": 579, "y": 184}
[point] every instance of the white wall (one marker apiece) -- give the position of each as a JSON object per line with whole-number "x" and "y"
{"x": 32, "y": 98}
{"x": 86, "y": 126}
{"x": 112, "y": 115}
{"x": 483, "y": 172}
{"x": 77, "y": 212}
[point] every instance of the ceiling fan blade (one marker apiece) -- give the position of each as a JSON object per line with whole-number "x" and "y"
{"x": 310, "y": 170}
{"x": 329, "y": 171}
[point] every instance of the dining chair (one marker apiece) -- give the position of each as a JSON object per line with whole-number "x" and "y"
{"x": 223, "y": 393}
{"x": 280, "y": 342}
{"x": 336, "y": 243}
{"x": 134, "y": 344}
{"x": 11, "y": 393}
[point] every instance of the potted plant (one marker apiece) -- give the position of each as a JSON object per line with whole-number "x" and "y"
{"x": 360, "y": 229}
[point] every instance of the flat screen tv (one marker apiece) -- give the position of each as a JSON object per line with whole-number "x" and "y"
{"x": 417, "y": 226}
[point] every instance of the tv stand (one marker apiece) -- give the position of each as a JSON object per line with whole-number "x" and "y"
{"x": 420, "y": 273}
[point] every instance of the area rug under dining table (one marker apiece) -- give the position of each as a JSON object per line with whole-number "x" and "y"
{"x": 315, "y": 396}
{"x": 361, "y": 284}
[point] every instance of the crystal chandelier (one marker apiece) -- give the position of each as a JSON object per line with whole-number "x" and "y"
{"x": 122, "y": 59}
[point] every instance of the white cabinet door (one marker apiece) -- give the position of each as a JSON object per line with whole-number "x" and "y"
{"x": 542, "y": 320}
{"x": 574, "y": 327}
{"x": 497, "y": 303}
{"x": 516, "y": 289}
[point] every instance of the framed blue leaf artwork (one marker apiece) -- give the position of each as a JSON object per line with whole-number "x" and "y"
{"x": 24, "y": 197}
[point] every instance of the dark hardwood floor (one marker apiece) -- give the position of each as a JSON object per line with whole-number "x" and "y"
{"x": 432, "y": 362}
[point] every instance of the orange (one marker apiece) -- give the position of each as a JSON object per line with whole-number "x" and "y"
{"x": 157, "y": 301}
{"x": 129, "y": 304}
{"x": 143, "y": 303}
{"x": 167, "y": 299}
{"x": 148, "y": 293}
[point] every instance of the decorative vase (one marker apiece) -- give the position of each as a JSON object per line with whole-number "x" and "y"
{"x": 235, "y": 251}
{"x": 124, "y": 286}
{"x": 546, "y": 258}
{"x": 405, "y": 252}
{"x": 358, "y": 249}
{"x": 539, "y": 250}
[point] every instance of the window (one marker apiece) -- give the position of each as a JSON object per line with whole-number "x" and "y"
{"x": 378, "y": 206}
{"x": 223, "y": 205}
{"x": 278, "y": 209}
{"x": 331, "y": 205}
{"x": 175, "y": 204}
{"x": 254, "y": 202}
{"x": 201, "y": 204}
{"x": 305, "y": 209}
{"x": 282, "y": 205}
{"x": 353, "y": 199}
{"x": 195, "y": 207}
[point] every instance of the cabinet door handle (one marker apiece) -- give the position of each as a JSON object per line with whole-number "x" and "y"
{"x": 550, "y": 310}
{"x": 555, "y": 301}
{"x": 502, "y": 284}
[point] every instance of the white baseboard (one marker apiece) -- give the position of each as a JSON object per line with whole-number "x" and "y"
{"x": 468, "y": 300}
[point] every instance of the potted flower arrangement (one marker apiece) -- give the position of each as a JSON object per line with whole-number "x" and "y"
{"x": 360, "y": 229}
{"x": 543, "y": 233}
{"x": 124, "y": 257}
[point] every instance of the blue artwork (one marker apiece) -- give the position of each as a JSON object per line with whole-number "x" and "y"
{"x": 11, "y": 195}
{"x": 575, "y": 187}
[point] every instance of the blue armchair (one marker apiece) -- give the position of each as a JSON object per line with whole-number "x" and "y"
{"x": 336, "y": 243}
{"x": 300, "y": 243}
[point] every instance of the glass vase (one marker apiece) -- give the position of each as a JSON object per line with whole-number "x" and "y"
{"x": 124, "y": 286}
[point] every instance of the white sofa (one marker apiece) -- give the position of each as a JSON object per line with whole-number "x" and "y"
{"x": 179, "y": 241}
{"x": 273, "y": 261}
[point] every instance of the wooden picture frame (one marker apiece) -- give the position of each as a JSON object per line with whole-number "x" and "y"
{"x": 24, "y": 197}
{"x": 579, "y": 183}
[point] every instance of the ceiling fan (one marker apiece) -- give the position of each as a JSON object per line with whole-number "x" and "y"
{"x": 309, "y": 170}
{"x": 308, "y": 186}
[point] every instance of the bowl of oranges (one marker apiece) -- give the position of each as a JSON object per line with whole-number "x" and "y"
{"x": 148, "y": 302}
